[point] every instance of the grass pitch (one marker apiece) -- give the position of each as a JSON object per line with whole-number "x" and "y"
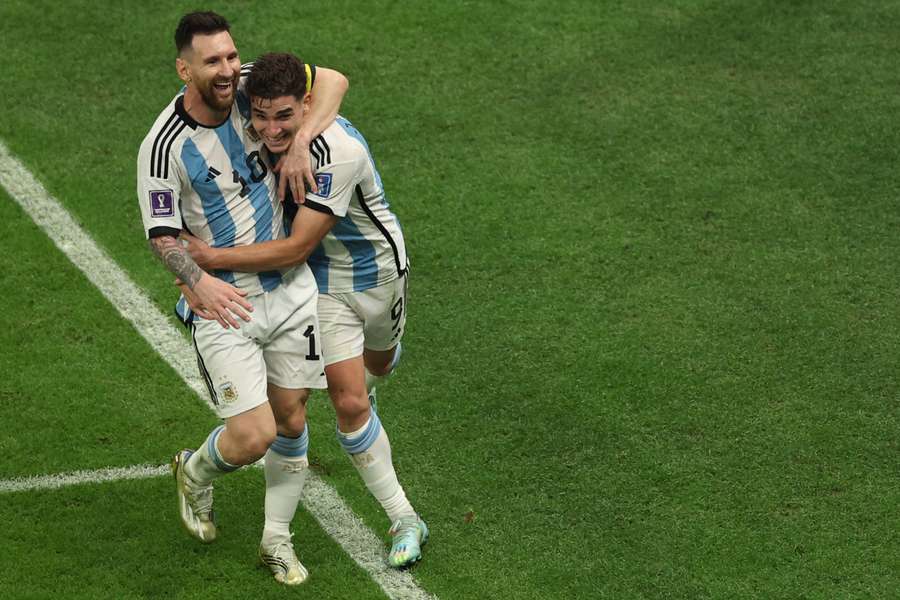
{"x": 653, "y": 339}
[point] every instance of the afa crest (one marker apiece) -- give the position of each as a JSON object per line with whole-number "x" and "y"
{"x": 228, "y": 391}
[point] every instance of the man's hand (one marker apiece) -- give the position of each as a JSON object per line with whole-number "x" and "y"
{"x": 214, "y": 297}
{"x": 199, "y": 251}
{"x": 193, "y": 301}
{"x": 294, "y": 169}
{"x": 220, "y": 301}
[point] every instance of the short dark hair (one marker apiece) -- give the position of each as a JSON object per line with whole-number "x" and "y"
{"x": 277, "y": 74}
{"x": 203, "y": 23}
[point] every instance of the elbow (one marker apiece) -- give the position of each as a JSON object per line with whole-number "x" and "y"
{"x": 339, "y": 81}
{"x": 299, "y": 253}
{"x": 304, "y": 254}
{"x": 332, "y": 81}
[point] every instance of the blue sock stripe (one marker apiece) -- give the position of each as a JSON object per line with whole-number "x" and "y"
{"x": 288, "y": 446}
{"x": 364, "y": 441}
{"x": 214, "y": 452}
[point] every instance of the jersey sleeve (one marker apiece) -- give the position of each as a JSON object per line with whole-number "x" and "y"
{"x": 336, "y": 181}
{"x": 158, "y": 191}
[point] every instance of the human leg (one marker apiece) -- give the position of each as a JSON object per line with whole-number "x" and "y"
{"x": 286, "y": 466}
{"x": 231, "y": 364}
{"x": 244, "y": 436}
{"x": 379, "y": 364}
{"x": 286, "y": 462}
{"x": 384, "y": 313}
{"x": 365, "y": 440}
{"x": 294, "y": 363}
{"x": 363, "y": 437}
{"x": 348, "y": 322}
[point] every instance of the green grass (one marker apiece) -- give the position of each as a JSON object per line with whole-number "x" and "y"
{"x": 80, "y": 388}
{"x": 109, "y": 545}
{"x": 653, "y": 339}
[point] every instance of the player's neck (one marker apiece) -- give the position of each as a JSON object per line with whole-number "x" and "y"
{"x": 202, "y": 112}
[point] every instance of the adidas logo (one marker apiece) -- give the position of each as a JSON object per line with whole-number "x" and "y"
{"x": 212, "y": 174}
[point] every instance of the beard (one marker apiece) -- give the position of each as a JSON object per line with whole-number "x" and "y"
{"x": 213, "y": 100}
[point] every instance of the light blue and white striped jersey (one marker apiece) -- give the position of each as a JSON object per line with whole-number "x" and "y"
{"x": 365, "y": 247}
{"x": 211, "y": 182}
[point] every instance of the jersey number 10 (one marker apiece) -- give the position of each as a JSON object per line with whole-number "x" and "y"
{"x": 258, "y": 172}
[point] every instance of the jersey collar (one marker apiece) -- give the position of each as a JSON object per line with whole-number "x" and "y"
{"x": 191, "y": 122}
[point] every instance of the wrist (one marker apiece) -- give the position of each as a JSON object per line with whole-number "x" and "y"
{"x": 192, "y": 283}
{"x": 303, "y": 138}
{"x": 211, "y": 261}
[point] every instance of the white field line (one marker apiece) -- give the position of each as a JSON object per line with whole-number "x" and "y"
{"x": 320, "y": 499}
{"x": 49, "y": 482}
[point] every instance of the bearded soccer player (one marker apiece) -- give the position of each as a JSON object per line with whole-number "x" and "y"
{"x": 354, "y": 245}
{"x": 200, "y": 170}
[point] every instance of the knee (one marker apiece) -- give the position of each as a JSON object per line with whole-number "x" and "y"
{"x": 256, "y": 441}
{"x": 350, "y": 407}
{"x": 290, "y": 412}
{"x": 292, "y": 425}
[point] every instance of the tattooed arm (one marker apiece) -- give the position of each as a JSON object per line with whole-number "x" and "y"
{"x": 218, "y": 298}
{"x": 176, "y": 259}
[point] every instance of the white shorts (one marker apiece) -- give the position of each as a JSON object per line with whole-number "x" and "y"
{"x": 373, "y": 319}
{"x": 280, "y": 345}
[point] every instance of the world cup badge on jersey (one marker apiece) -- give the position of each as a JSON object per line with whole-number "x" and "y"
{"x": 323, "y": 181}
{"x": 162, "y": 204}
{"x": 228, "y": 392}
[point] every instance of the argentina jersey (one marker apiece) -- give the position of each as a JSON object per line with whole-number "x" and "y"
{"x": 365, "y": 247}
{"x": 212, "y": 182}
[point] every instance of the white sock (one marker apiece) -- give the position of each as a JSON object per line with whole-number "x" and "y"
{"x": 370, "y": 451}
{"x": 286, "y": 468}
{"x": 207, "y": 464}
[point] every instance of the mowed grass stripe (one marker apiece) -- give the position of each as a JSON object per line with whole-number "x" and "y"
{"x": 333, "y": 514}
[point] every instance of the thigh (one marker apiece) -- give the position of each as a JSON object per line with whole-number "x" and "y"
{"x": 292, "y": 347}
{"x": 342, "y": 328}
{"x": 383, "y": 309}
{"x": 232, "y": 366}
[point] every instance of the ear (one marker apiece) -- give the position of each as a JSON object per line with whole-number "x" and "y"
{"x": 183, "y": 69}
{"x": 306, "y": 102}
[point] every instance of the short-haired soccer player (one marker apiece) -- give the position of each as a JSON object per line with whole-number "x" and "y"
{"x": 200, "y": 170}
{"x": 354, "y": 245}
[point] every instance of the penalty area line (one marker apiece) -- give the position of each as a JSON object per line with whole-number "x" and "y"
{"x": 320, "y": 499}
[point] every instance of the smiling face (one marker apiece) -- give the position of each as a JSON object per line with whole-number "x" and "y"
{"x": 211, "y": 67}
{"x": 277, "y": 120}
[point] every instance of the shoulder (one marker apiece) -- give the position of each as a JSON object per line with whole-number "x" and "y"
{"x": 336, "y": 145}
{"x": 171, "y": 124}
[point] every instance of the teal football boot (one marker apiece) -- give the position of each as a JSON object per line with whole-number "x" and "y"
{"x": 410, "y": 534}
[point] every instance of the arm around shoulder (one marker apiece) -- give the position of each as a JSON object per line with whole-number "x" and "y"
{"x": 327, "y": 93}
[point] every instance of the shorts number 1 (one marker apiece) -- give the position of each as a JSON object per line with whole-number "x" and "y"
{"x": 312, "y": 343}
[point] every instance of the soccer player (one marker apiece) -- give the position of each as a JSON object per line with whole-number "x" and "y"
{"x": 200, "y": 170}
{"x": 354, "y": 245}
